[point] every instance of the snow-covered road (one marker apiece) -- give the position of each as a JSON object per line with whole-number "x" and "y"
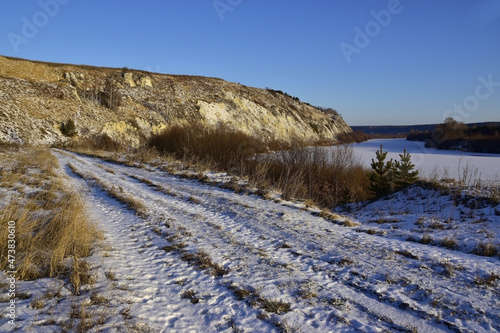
{"x": 266, "y": 255}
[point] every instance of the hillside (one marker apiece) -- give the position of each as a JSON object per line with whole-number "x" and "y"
{"x": 129, "y": 105}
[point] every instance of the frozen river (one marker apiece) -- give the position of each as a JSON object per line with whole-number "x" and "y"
{"x": 432, "y": 162}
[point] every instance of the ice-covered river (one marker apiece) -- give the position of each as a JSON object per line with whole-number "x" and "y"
{"x": 430, "y": 162}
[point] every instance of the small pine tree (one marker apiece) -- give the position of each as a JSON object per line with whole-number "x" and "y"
{"x": 68, "y": 128}
{"x": 404, "y": 175}
{"x": 381, "y": 176}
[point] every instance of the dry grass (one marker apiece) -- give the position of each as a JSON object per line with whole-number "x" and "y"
{"x": 190, "y": 294}
{"x": 80, "y": 275}
{"x": 202, "y": 260}
{"x": 115, "y": 192}
{"x": 241, "y": 293}
{"x": 37, "y": 303}
{"x": 51, "y": 224}
{"x": 426, "y": 239}
{"x": 486, "y": 249}
{"x": 131, "y": 202}
{"x": 45, "y": 240}
{"x": 449, "y": 242}
{"x": 274, "y": 306}
{"x": 174, "y": 247}
{"x": 22, "y": 168}
{"x": 488, "y": 281}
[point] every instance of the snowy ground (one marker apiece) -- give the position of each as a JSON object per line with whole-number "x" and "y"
{"x": 206, "y": 259}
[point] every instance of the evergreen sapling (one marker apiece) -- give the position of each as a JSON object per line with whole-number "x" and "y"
{"x": 381, "y": 176}
{"x": 404, "y": 175}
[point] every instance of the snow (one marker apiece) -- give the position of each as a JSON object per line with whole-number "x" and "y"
{"x": 368, "y": 278}
{"x": 430, "y": 161}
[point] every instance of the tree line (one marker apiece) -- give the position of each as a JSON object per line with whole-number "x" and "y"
{"x": 455, "y": 135}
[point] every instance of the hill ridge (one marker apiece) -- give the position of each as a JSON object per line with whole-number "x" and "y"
{"x": 129, "y": 105}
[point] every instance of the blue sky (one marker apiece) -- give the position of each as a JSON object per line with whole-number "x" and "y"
{"x": 375, "y": 61}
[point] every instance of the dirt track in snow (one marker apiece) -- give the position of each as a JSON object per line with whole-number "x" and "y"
{"x": 333, "y": 278}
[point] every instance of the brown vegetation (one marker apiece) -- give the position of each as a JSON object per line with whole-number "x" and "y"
{"x": 323, "y": 176}
{"x": 356, "y": 136}
{"x": 51, "y": 225}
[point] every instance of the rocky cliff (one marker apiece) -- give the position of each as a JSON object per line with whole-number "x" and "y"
{"x": 129, "y": 105}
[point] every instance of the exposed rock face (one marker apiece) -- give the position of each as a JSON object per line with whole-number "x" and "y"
{"x": 130, "y": 106}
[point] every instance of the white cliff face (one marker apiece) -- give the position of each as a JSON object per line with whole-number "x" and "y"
{"x": 130, "y": 106}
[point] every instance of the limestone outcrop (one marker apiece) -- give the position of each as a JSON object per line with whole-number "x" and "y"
{"x": 130, "y": 106}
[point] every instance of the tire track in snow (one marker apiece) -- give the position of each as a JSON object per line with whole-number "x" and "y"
{"x": 150, "y": 279}
{"x": 264, "y": 225}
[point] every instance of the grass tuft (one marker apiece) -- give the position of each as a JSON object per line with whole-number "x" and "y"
{"x": 274, "y": 306}
{"x": 486, "y": 249}
{"x": 202, "y": 260}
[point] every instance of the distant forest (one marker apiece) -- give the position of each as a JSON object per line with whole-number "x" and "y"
{"x": 455, "y": 135}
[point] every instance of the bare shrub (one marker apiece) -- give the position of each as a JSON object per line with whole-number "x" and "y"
{"x": 325, "y": 176}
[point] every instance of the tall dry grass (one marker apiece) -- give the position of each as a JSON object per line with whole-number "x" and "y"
{"x": 52, "y": 229}
{"x": 44, "y": 239}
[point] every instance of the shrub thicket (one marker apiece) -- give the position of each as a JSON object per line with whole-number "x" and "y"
{"x": 223, "y": 148}
{"x": 99, "y": 142}
{"x": 356, "y": 136}
{"x": 325, "y": 176}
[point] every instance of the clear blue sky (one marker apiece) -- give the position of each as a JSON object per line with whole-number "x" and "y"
{"x": 421, "y": 61}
